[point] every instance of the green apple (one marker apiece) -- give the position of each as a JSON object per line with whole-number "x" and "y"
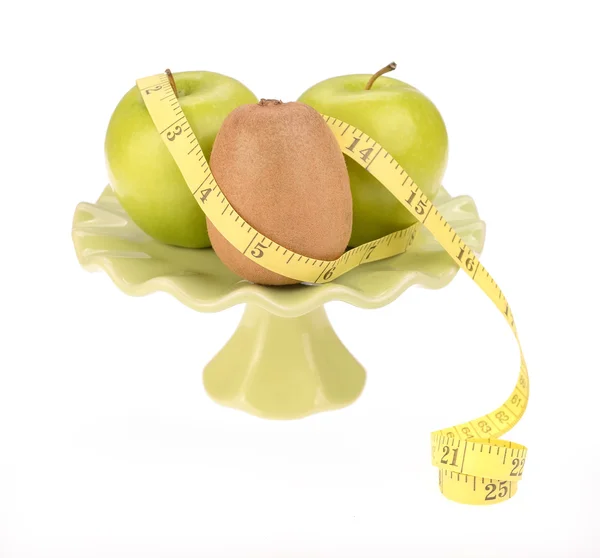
{"x": 405, "y": 122}
{"x": 146, "y": 180}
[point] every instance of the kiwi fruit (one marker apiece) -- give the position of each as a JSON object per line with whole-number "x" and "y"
{"x": 281, "y": 169}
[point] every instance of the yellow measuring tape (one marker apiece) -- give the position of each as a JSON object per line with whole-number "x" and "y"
{"x": 475, "y": 467}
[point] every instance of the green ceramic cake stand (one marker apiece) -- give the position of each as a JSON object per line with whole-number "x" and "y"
{"x": 284, "y": 360}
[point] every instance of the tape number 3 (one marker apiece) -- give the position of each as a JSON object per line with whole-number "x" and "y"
{"x": 174, "y": 133}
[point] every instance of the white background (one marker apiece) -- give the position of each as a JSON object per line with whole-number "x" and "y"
{"x": 109, "y": 445}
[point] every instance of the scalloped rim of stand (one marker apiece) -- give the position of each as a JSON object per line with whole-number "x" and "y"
{"x": 106, "y": 238}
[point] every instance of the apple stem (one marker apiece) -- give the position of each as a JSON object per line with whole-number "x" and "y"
{"x": 172, "y": 81}
{"x": 389, "y": 68}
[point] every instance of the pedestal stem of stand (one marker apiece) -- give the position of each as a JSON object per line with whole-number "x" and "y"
{"x": 278, "y": 367}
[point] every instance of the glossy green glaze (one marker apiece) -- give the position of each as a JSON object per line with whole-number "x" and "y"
{"x": 406, "y": 123}
{"x": 284, "y": 361}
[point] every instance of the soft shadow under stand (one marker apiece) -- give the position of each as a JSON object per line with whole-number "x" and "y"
{"x": 284, "y": 360}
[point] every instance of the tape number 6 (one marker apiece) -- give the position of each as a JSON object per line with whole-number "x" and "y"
{"x": 329, "y": 274}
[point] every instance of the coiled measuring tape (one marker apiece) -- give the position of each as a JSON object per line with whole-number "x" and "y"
{"x": 475, "y": 467}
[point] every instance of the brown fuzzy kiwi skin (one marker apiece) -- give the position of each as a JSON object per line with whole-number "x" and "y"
{"x": 281, "y": 169}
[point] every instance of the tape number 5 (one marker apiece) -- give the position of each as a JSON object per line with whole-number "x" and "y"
{"x": 258, "y": 250}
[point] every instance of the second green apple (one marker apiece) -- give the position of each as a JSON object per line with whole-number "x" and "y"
{"x": 406, "y": 123}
